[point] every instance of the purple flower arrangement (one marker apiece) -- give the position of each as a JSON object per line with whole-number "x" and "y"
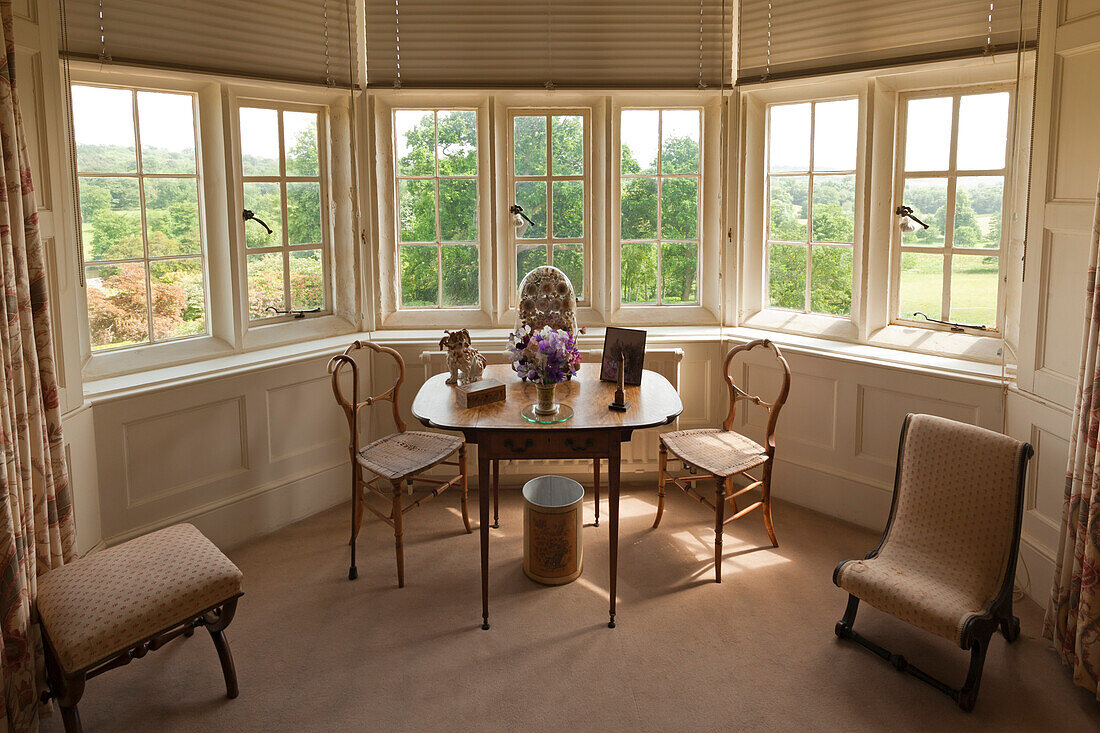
{"x": 548, "y": 356}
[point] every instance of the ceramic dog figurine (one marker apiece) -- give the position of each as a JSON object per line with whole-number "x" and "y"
{"x": 461, "y": 357}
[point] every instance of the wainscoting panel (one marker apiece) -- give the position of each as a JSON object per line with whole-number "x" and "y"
{"x": 298, "y": 421}
{"x": 882, "y": 412}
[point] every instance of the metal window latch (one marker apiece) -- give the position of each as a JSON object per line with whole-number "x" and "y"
{"x": 904, "y": 210}
{"x": 958, "y": 327}
{"x": 292, "y": 312}
{"x": 247, "y": 214}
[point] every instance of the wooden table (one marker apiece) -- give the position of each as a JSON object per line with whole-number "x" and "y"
{"x": 594, "y": 431}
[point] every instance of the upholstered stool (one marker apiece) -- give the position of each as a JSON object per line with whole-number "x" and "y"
{"x": 109, "y": 608}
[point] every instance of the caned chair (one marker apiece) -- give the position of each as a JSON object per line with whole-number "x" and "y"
{"x": 720, "y": 454}
{"x": 397, "y": 459}
{"x": 546, "y": 298}
{"x": 946, "y": 562}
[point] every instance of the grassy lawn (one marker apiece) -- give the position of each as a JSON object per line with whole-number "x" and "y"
{"x": 973, "y": 294}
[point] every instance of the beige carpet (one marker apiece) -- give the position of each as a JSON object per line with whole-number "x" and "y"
{"x": 317, "y": 652}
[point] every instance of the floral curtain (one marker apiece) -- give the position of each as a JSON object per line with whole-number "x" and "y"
{"x": 36, "y": 513}
{"x": 1073, "y": 615}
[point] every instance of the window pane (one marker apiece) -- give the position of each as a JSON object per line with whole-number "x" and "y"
{"x": 928, "y": 134}
{"x": 983, "y": 131}
{"x": 303, "y": 213}
{"x": 172, "y": 216}
{"x": 679, "y": 207}
{"x": 978, "y": 204}
{"x": 928, "y": 199}
{"x": 179, "y": 300}
{"x": 265, "y": 200}
{"x": 787, "y": 276}
{"x": 528, "y": 257}
{"x": 569, "y": 258}
{"x": 460, "y": 270}
{"x": 789, "y": 202}
{"x": 110, "y": 218}
{"x": 259, "y": 142}
{"x": 569, "y": 209}
{"x": 789, "y": 137}
{"x": 458, "y": 143}
{"x": 836, "y": 127}
{"x": 414, "y": 138}
{"x": 680, "y": 141}
{"x": 117, "y": 312}
{"x": 921, "y": 285}
{"x": 834, "y": 208}
{"x": 831, "y": 281}
{"x": 307, "y": 288}
{"x": 638, "y": 134}
{"x": 265, "y": 284}
{"x": 419, "y": 276}
{"x": 167, "y": 125}
{"x": 639, "y": 273}
{"x": 679, "y": 272}
{"x": 974, "y": 289}
{"x": 300, "y": 143}
{"x": 103, "y": 124}
{"x": 567, "y": 145}
{"x": 529, "y": 145}
{"x": 417, "y": 201}
{"x": 458, "y": 210}
{"x": 531, "y": 195}
{"x": 639, "y": 209}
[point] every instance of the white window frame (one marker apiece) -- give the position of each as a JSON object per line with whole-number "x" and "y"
{"x": 390, "y": 313}
{"x": 810, "y": 174}
{"x": 585, "y": 240}
{"x": 229, "y": 330}
{"x": 951, "y": 174}
{"x": 707, "y": 310}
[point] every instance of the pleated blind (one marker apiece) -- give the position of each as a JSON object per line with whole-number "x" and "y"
{"x": 833, "y": 35}
{"x": 569, "y": 43}
{"x": 271, "y": 39}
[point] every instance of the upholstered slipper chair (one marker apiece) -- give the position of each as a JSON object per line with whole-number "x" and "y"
{"x": 947, "y": 560}
{"x": 117, "y": 605}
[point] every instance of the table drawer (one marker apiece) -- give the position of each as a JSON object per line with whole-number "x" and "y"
{"x": 537, "y": 444}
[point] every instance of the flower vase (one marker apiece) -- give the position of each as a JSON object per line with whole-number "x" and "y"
{"x": 546, "y": 404}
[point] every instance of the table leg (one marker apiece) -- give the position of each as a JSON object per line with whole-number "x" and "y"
{"x": 613, "y": 465}
{"x": 496, "y": 494}
{"x": 483, "y": 489}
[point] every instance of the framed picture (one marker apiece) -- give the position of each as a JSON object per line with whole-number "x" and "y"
{"x": 630, "y": 342}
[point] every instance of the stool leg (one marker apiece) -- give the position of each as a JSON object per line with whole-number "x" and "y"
{"x": 66, "y": 689}
{"x": 215, "y": 624}
{"x": 496, "y": 495}
{"x": 596, "y": 486}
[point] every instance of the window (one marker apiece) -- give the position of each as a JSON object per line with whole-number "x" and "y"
{"x": 660, "y": 176}
{"x": 139, "y": 215}
{"x": 548, "y": 181}
{"x": 954, "y": 152}
{"x": 281, "y": 174}
{"x": 811, "y": 191}
{"x": 438, "y": 231}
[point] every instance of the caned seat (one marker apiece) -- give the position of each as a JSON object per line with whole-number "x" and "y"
{"x": 721, "y": 454}
{"x": 718, "y": 452}
{"x": 947, "y": 559}
{"x": 117, "y": 604}
{"x": 397, "y": 459}
{"x": 404, "y": 454}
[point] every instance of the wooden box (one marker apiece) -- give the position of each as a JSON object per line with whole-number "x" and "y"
{"x": 481, "y": 392}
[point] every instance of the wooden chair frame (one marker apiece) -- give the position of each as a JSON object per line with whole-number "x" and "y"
{"x": 68, "y": 687}
{"x": 978, "y": 630}
{"x": 360, "y": 485}
{"x": 724, "y": 490}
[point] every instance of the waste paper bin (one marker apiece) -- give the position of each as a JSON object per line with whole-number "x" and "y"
{"x": 552, "y": 515}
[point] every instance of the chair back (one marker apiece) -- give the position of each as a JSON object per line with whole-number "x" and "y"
{"x": 351, "y": 408}
{"x": 546, "y": 298}
{"x": 737, "y": 394}
{"x": 958, "y": 499}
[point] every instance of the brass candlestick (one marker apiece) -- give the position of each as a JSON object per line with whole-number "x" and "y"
{"x": 620, "y": 404}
